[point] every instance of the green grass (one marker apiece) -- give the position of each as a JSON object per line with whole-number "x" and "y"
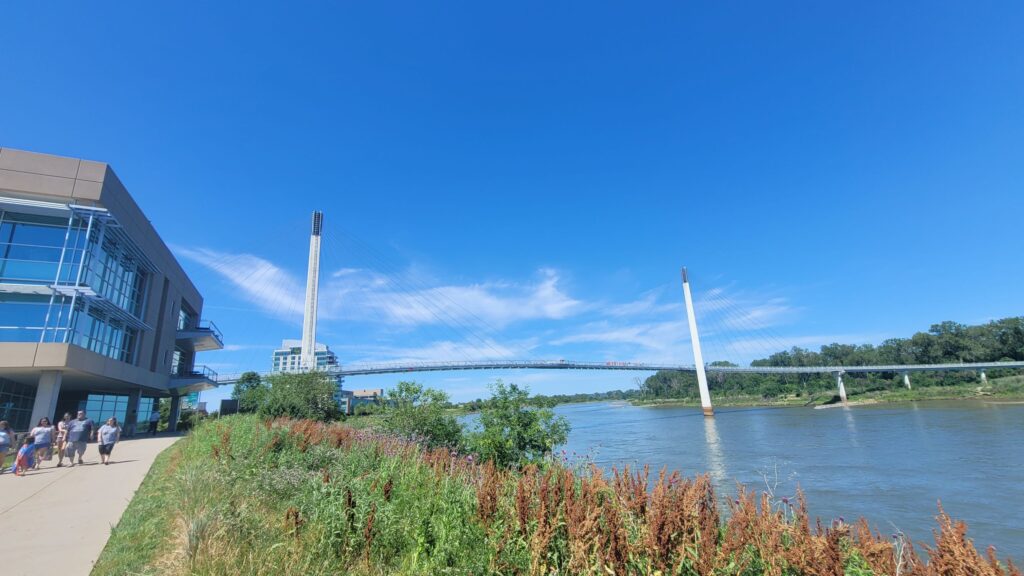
{"x": 142, "y": 533}
{"x": 242, "y": 495}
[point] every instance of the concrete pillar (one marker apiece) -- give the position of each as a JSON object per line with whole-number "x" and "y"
{"x": 698, "y": 358}
{"x": 172, "y": 419}
{"x": 984, "y": 379}
{"x": 46, "y": 397}
{"x": 842, "y": 389}
{"x": 906, "y": 380}
{"x": 131, "y": 417}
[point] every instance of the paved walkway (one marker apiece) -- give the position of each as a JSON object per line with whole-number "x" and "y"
{"x": 57, "y": 520}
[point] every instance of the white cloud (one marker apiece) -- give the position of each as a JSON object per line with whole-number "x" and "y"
{"x": 403, "y": 301}
{"x": 440, "y": 351}
{"x": 261, "y": 282}
{"x": 355, "y": 294}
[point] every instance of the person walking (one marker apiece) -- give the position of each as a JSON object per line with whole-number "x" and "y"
{"x": 42, "y": 436}
{"x": 23, "y": 462}
{"x": 108, "y": 435}
{"x": 154, "y": 421}
{"x": 62, "y": 438}
{"x": 80, "y": 431}
{"x": 6, "y": 441}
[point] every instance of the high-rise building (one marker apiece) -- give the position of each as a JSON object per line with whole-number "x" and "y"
{"x": 95, "y": 312}
{"x": 290, "y": 358}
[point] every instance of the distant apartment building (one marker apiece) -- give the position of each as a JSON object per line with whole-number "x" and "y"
{"x": 288, "y": 358}
{"x": 350, "y": 400}
{"x": 96, "y": 314}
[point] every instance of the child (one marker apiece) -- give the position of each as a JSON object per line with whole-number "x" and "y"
{"x": 24, "y": 460}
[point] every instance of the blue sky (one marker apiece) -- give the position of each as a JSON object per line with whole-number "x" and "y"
{"x": 536, "y": 174}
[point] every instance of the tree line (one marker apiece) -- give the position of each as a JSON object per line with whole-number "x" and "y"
{"x": 943, "y": 343}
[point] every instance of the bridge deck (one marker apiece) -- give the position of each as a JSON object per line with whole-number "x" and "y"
{"x": 365, "y": 370}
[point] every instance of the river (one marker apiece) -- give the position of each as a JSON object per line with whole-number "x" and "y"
{"x": 890, "y": 463}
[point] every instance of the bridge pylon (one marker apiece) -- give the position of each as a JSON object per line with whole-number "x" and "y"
{"x": 698, "y": 358}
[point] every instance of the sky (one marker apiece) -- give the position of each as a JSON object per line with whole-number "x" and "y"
{"x": 525, "y": 180}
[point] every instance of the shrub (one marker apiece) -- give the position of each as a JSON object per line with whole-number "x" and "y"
{"x": 412, "y": 411}
{"x": 311, "y": 396}
{"x": 513, "y": 433}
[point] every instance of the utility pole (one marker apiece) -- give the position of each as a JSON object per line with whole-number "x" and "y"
{"x": 698, "y": 358}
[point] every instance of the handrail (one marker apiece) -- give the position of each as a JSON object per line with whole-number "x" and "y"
{"x": 396, "y": 368}
{"x": 198, "y": 371}
{"x": 209, "y": 325}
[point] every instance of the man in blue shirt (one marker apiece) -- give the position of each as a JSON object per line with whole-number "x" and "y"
{"x": 80, "y": 431}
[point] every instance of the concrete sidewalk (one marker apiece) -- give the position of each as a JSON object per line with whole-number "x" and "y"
{"x": 57, "y": 520}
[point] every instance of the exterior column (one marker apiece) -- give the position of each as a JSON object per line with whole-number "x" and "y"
{"x": 906, "y": 380}
{"x": 131, "y": 417}
{"x": 984, "y": 379}
{"x": 698, "y": 358}
{"x": 842, "y": 388}
{"x": 175, "y": 413}
{"x": 46, "y": 397}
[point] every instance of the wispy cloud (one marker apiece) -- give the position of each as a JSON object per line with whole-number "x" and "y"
{"x": 440, "y": 350}
{"x": 361, "y": 295}
{"x": 257, "y": 280}
{"x": 241, "y": 347}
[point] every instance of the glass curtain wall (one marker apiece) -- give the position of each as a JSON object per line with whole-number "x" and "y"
{"x": 31, "y": 246}
{"x": 99, "y": 407}
{"x": 48, "y": 251}
{"x": 16, "y": 402}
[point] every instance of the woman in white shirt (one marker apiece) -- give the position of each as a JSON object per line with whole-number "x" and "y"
{"x": 43, "y": 436}
{"x": 108, "y": 435}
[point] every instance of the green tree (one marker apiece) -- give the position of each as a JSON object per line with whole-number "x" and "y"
{"x": 514, "y": 434}
{"x": 414, "y": 411}
{"x": 310, "y": 395}
{"x": 250, "y": 391}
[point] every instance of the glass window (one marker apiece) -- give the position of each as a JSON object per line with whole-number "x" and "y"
{"x": 99, "y": 407}
{"x": 145, "y": 409}
{"x": 16, "y": 402}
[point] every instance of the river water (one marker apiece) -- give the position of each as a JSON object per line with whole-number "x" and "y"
{"x": 890, "y": 463}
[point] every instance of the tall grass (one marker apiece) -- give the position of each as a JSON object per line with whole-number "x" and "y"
{"x": 245, "y": 496}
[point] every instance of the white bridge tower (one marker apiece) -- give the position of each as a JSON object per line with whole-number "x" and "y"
{"x": 698, "y": 358}
{"x": 308, "y": 359}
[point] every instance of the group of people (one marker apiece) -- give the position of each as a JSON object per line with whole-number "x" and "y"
{"x": 69, "y": 437}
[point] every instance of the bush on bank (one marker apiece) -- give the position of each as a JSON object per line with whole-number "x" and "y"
{"x": 245, "y": 495}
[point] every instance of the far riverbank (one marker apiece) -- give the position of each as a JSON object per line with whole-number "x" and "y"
{"x": 1001, "y": 389}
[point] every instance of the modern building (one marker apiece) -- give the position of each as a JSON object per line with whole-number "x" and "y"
{"x": 351, "y": 400}
{"x": 289, "y": 358}
{"x": 95, "y": 311}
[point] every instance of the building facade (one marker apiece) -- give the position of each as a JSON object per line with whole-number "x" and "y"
{"x": 95, "y": 311}
{"x": 349, "y": 401}
{"x": 288, "y": 358}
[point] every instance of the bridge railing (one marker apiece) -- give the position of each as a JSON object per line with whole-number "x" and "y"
{"x": 399, "y": 367}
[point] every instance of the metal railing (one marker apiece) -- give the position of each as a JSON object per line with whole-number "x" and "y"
{"x": 198, "y": 371}
{"x": 398, "y": 368}
{"x": 209, "y": 325}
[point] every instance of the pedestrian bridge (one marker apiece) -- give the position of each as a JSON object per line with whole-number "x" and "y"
{"x": 414, "y": 367}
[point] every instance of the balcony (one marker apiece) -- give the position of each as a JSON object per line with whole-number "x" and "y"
{"x": 196, "y": 379}
{"x": 203, "y": 337}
